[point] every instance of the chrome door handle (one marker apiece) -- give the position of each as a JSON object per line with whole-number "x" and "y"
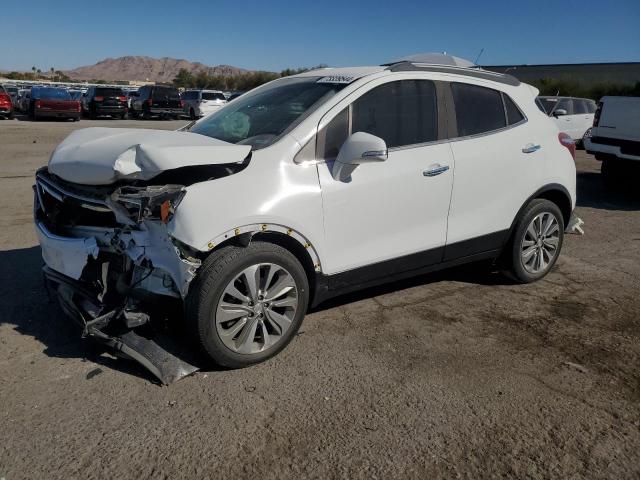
{"x": 530, "y": 148}
{"x": 435, "y": 170}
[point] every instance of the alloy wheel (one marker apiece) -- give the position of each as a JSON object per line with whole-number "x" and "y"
{"x": 540, "y": 243}
{"x": 256, "y": 308}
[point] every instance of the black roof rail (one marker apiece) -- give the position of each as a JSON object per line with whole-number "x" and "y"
{"x": 468, "y": 71}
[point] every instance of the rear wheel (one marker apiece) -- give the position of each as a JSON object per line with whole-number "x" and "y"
{"x": 247, "y": 303}
{"x": 192, "y": 114}
{"x": 536, "y": 242}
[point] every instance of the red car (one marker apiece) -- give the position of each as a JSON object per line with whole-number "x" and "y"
{"x": 53, "y": 102}
{"x": 6, "y": 107}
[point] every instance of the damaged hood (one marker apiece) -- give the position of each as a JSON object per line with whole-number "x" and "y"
{"x": 101, "y": 156}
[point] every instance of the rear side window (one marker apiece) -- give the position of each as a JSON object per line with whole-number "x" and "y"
{"x": 401, "y": 113}
{"x": 513, "y": 112}
{"x": 581, "y": 106}
{"x": 478, "y": 109}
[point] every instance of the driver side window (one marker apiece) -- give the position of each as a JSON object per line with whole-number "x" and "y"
{"x": 402, "y": 113}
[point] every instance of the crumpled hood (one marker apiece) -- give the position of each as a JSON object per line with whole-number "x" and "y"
{"x": 100, "y": 156}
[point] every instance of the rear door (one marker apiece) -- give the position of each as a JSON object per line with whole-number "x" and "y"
{"x": 498, "y": 164}
{"x": 566, "y": 123}
{"x": 394, "y": 210}
{"x": 583, "y": 111}
{"x": 165, "y": 97}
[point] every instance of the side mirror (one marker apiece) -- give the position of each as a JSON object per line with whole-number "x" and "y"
{"x": 559, "y": 112}
{"x": 359, "y": 148}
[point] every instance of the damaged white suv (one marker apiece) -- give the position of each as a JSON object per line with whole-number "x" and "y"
{"x": 307, "y": 187}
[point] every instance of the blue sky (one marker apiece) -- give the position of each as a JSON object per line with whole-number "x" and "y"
{"x": 273, "y": 35}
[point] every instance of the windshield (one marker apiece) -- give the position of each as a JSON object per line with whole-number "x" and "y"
{"x": 53, "y": 93}
{"x": 109, "y": 92}
{"x": 260, "y": 117}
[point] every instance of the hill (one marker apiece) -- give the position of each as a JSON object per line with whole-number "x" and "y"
{"x": 146, "y": 68}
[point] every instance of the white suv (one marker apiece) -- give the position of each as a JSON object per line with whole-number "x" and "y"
{"x": 198, "y": 103}
{"x": 302, "y": 189}
{"x": 574, "y": 116}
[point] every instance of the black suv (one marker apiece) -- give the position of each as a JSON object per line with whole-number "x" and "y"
{"x": 154, "y": 100}
{"x": 104, "y": 101}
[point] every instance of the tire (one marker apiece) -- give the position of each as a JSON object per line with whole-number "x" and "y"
{"x": 225, "y": 268}
{"x": 146, "y": 114}
{"x": 11, "y": 115}
{"x": 192, "y": 114}
{"x": 92, "y": 113}
{"x": 520, "y": 260}
{"x": 133, "y": 113}
{"x": 76, "y": 119}
{"x": 123, "y": 116}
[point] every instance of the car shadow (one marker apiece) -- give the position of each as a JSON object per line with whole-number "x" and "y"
{"x": 27, "y": 308}
{"x": 592, "y": 192}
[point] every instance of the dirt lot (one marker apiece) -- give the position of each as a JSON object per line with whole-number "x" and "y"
{"x": 453, "y": 375}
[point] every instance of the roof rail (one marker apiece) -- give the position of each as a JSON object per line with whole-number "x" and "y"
{"x": 475, "y": 72}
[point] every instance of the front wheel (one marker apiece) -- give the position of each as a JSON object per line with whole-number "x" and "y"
{"x": 247, "y": 303}
{"x": 536, "y": 242}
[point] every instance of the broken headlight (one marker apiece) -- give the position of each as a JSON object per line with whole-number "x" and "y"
{"x": 154, "y": 202}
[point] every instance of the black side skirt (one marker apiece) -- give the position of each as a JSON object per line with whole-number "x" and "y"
{"x": 480, "y": 248}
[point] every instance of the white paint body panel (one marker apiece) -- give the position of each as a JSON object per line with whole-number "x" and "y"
{"x": 387, "y": 210}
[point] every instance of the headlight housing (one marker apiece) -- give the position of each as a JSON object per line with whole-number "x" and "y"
{"x": 153, "y": 202}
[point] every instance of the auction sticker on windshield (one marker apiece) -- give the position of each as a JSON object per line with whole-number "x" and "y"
{"x": 336, "y": 79}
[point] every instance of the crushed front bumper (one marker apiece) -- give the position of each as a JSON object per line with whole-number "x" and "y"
{"x": 113, "y": 279}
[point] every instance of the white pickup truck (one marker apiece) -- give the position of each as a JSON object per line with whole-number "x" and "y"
{"x": 615, "y": 136}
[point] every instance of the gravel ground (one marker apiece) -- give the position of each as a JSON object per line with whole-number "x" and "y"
{"x": 459, "y": 374}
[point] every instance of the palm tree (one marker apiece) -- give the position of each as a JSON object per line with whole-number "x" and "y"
{"x": 53, "y": 74}
{"x": 33, "y": 69}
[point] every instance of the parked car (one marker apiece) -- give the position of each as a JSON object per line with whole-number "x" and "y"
{"x": 22, "y": 101}
{"x": 615, "y": 136}
{"x": 12, "y": 90}
{"x": 305, "y": 188}
{"x": 198, "y": 103}
{"x": 101, "y": 101}
{"x": 52, "y": 102}
{"x": 6, "y": 104}
{"x": 157, "y": 101}
{"x": 573, "y": 116}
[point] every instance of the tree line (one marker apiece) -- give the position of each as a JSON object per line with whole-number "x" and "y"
{"x": 570, "y": 88}
{"x": 242, "y": 81}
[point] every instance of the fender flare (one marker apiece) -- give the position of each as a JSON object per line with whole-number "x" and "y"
{"x": 551, "y": 187}
{"x": 248, "y": 231}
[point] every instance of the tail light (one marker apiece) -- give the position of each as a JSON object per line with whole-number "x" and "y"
{"x": 98, "y": 98}
{"x": 181, "y": 103}
{"x": 149, "y": 102}
{"x": 38, "y": 104}
{"x": 5, "y": 99}
{"x": 122, "y": 99}
{"x": 567, "y": 141}
{"x": 596, "y": 116}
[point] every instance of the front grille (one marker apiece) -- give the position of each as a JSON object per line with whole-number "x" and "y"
{"x": 62, "y": 207}
{"x": 627, "y": 147}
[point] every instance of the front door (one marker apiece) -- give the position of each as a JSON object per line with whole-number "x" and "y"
{"x": 396, "y": 209}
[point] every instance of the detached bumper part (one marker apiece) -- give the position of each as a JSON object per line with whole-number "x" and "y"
{"x": 575, "y": 225}
{"x": 108, "y": 325}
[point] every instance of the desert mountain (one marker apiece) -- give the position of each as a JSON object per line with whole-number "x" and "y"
{"x": 145, "y": 68}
